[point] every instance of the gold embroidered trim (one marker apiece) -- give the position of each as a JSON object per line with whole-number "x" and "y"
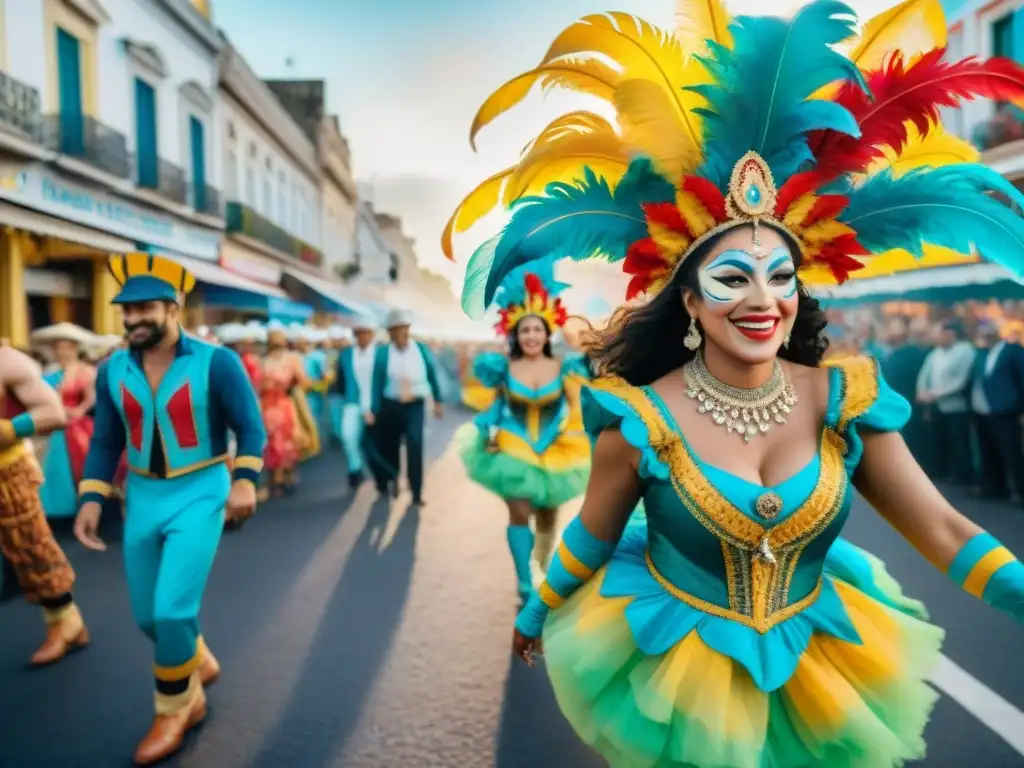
{"x": 758, "y": 590}
{"x": 860, "y": 387}
{"x": 184, "y": 470}
{"x": 762, "y": 626}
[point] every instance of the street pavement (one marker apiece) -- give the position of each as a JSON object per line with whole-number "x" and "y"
{"x": 361, "y": 633}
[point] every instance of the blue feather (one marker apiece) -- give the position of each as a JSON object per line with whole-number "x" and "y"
{"x": 950, "y": 207}
{"x": 578, "y": 221}
{"x": 513, "y": 288}
{"x": 760, "y": 97}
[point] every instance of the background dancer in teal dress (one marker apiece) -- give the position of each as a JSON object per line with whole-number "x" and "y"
{"x": 737, "y": 631}
{"x": 528, "y": 447}
{"x": 170, "y": 400}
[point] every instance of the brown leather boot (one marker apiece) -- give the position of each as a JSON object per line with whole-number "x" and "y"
{"x": 209, "y": 667}
{"x": 65, "y": 632}
{"x": 175, "y": 716}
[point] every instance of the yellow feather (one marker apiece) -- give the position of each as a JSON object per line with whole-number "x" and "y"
{"x": 642, "y": 52}
{"x": 651, "y": 127}
{"x": 701, "y": 20}
{"x": 579, "y": 121}
{"x": 913, "y": 27}
{"x": 590, "y": 76}
{"x": 696, "y": 216}
{"x": 824, "y": 231}
{"x": 671, "y": 244}
{"x": 116, "y": 265}
{"x": 798, "y": 211}
{"x": 561, "y": 154}
{"x": 935, "y": 149}
{"x": 474, "y": 207}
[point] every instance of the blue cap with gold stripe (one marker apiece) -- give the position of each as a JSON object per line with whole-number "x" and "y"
{"x": 147, "y": 277}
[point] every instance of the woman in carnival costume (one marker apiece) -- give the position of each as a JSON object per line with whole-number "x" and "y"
{"x": 283, "y": 377}
{"x": 737, "y": 630}
{"x": 75, "y": 382}
{"x": 528, "y": 447}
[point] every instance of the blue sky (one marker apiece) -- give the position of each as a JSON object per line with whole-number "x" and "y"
{"x": 406, "y": 77}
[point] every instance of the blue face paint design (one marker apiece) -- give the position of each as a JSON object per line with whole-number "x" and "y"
{"x": 735, "y": 275}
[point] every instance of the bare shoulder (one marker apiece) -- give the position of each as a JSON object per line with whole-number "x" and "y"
{"x": 810, "y": 383}
{"x": 673, "y": 381}
{"x": 15, "y": 365}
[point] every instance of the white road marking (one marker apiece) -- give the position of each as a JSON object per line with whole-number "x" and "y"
{"x": 987, "y": 706}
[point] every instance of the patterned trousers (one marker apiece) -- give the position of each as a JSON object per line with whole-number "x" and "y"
{"x": 26, "y": 541}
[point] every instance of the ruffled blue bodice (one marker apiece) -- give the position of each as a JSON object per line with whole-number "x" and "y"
{"x": 533, "y": 416}
{"x": 696, "y": 565}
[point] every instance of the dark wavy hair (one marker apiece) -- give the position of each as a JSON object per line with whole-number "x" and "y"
{"x": 515, "y": 351}
{"x": 643, "y": 343}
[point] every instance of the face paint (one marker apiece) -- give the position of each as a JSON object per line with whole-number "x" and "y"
{"x": 735, "y": 275}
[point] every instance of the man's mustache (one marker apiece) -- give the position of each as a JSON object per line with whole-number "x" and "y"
{"x": 130, "y": 328}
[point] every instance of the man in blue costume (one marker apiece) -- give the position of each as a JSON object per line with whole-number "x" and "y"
{"x": 354, "y": 380}
{"x": 404, "y": 376}
{"x": 170, "y": 400}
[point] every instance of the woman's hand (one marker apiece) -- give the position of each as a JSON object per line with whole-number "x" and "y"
{"x": 524, "y": 647}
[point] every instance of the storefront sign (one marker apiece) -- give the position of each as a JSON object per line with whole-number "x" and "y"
{"x": 38, "y": 189}
{"x": 253, "y": 267}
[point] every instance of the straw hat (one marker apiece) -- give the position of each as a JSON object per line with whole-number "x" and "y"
{"x": 63, "y": 332}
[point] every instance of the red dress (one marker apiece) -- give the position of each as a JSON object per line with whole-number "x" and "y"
{"x": 279, "y": 418}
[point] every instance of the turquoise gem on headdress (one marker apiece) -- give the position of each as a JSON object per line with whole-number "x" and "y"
{"x": 753, "y": 194}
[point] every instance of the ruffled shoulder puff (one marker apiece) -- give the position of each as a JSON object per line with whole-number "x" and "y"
{"x": 610, "y": 402}
{"x": 860, "y": 399}
{"x": 490, "y": 369}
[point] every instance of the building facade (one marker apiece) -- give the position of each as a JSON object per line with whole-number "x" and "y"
{"x": 272, "y": 189}
{"x": 987, "y": 28}
{"x": 107, "y": 144}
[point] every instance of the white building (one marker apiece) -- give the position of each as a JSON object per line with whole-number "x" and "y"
{"x": 378, "y": 263}
{"x": 107, "y": 144}
{"x": 272, "y": 188}
{"x": 987, "y": 28}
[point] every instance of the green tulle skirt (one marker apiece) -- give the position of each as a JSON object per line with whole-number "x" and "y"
{"x": 550, "y": 480}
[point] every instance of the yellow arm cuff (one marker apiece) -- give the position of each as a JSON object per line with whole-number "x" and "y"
{"x": 985, "y": 568}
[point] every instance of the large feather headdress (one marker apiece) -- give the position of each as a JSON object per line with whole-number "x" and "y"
{"x": 757, "y": 121}
{"x": 530, "y": 290}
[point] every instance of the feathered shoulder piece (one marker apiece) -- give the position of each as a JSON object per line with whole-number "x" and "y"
{"x": 756, "y": 122}
{"x": 527, "y": 293}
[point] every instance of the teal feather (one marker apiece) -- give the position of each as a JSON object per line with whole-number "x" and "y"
{"x": 477, "y": 270}
{"x": 952, "y": 207}
{"x": 578, "y": 221}
{"x": 513, "y": 288}
{"x": 760, "y": 95}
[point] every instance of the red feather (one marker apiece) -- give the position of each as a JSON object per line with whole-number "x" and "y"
{"x": 914, "y": 93}
{"x": 643, "y": 258}
{"x": 667, "y": 215}
{"x": 638, "y": 285}
{"x": 797, "y": 186}
{"x": 825, "y": 207}
{"x": 534, "y": 286}
{"x": 838, "y": 256}
{"x": 709, "y": 195}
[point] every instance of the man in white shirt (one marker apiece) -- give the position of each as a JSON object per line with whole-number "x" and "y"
{"x": 943, "y": 385}
{"x": 404, "y": 376}
{"x": 355, "y": 384}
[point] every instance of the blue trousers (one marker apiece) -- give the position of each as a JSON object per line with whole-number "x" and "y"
{"x": 171, "y": 532}
{"x": 335, "y": 407}
{"x": 352, "y": 429}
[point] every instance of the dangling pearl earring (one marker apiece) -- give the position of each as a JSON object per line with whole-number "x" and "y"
{"x": 693, "y": 338}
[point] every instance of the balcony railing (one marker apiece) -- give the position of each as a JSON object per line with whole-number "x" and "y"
{"x": 88, "y": 140}
{"x": 1005, "y": 127}
{"x": 206, "y": 199}
{"x": 19, "y": 107}
{"x": 164, "y": 178}
{"x": 244, "y": 220}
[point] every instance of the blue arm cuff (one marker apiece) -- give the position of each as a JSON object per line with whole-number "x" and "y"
{"x": 23, "y": 425}
{"x": 246, "y": 469}
{"x": 969, "y": 555}
{"x": 530, "y": 622}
